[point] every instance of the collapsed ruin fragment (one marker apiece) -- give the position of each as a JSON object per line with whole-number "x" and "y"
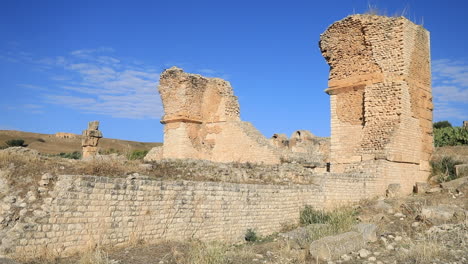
{"x": 380, "y": 97}
{"x": 90, "y": 140}
{"x": 202, "y": 121}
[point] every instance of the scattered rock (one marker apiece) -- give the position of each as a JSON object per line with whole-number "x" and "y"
{"x": 364, "y": 253}
{"x": 421, "y": 187}
{"x": 440, "y": 212}
{"x": 455, "y": 184}
{"x": 393, "y": 190}
{"x": 367, "y": 230}
{"x": 332, "y": 247}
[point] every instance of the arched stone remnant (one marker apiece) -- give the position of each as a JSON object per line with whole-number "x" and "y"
{"x": 202, "y": 121}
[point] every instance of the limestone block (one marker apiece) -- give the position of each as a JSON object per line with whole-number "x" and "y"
{"x": 90, "y": 141}
{"x": 155, "y": 153}
{"x": 393, "y": 190}
{"x": 332, "y": 247}
{"x": 368, "y": 231}
{"x": 93, "y": 125}
{"x": 92, "y": 133}
{"x": 421, "y": 187}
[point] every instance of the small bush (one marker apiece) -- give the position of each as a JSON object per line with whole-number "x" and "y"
{"x": 209, "y": 253}
{"x": 108, "y": 151}
{"x": 450, "y": 136}
{"x": 72, "y": 155}
{"x": 41, "y": 140}
{"x": 320, "y": 224}
{"x": 442, "y": 124}
{"x": 310, "y": 215}
{"x": 15, "y": 143}
{"x": 250, "y": 235}
{"x": 137, "y": 154}
{"x": 444, "y": 168}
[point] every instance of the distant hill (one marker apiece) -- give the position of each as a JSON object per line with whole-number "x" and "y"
{"x": 52, "y": 144}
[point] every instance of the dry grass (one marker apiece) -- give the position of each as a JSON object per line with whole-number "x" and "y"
{"x": 422, "y": 252}
{"x": 96, "y": 256}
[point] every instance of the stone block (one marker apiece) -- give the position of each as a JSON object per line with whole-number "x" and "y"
{"x": 421, "y": 187}
{"x": 393, "y": 190}
{"x": 92, "y": 133}
{"x": 368, "y": 231}
{"x": 89, "y": 141}
{"x": 332, "y": 247}
{"x": 93, "y": 125}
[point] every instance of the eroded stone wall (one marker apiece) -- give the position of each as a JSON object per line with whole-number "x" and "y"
{"x": 380, "y": 94}
{"x": 202, "y": 121}
{"x": 70, "y": 213}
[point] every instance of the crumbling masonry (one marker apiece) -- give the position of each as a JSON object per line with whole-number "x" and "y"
{"x": 90, "y": 139}
{"x": 380, "y": 97}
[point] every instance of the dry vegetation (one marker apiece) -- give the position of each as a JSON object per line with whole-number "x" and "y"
{"x": 50, "y": 144}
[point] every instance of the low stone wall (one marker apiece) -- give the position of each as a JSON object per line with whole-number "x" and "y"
{"x": 74, "y": 212}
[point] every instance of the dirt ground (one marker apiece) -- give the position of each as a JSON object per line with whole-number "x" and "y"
{"x": 50, "y": 144}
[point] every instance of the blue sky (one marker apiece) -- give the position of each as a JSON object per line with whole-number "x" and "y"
{"x": 64, "y": 63}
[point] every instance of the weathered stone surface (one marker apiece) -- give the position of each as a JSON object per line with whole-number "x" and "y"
{"x": 368, "y": 231}
{"x": 380, "y": 97}
{"x": 66, "y": 135}
{"x": 92, "y": 133}
{"x": 202, "y": 122}
{"x": 421, "y": 187}
{"x": 332, "y": 247}
{"x": 454, "y": 184}
{"x": 440, "y": 212}
{"x": 393, "y": 190}
{"x": 90, "y": 140}
{"x": 154, "y": 154}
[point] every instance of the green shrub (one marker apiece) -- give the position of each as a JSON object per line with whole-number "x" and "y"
{"x": 41, "y": 140}
{"x": 450, "y": 136}
{"x": 320, "y": 223}
{"x": 15, "y": 143}
{"x": 71, "y": 155}
{"x": 108, "y": 151}
{"x": 442, "y": 124}
{"x": 250, "y": 235}
{"x": 444, "y": 168}
{"x": 310, "y": 215}
{"x": 137, "y": 154}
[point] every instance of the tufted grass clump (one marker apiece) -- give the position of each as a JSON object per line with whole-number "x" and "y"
{"x": 444, "y": 168}
{"x": 321, "y": 223}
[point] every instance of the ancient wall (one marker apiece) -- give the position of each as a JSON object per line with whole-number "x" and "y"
{"x": 380, "y": 97}
{"x": 66, "y": 135}
{"x": 70, "y": 213}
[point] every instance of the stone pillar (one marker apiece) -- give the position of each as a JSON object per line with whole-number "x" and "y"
{"x": 90, "y": 140}
{"x": 380, "y": 97}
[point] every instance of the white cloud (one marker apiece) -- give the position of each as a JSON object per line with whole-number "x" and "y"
{"x": 92, "y": 81}
{"x": 450, "y": 89}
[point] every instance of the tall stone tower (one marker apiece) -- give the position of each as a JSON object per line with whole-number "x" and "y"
{"x": 380, "y": 97}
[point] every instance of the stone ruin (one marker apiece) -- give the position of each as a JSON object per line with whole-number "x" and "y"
{"x": 380, "y": 97}
{"x": 66, "y": 135}
{"x": 381, "y": 142}
{"x": 202, "y": 121}
{"x": 381, "y": 109}
{"x": 90, "y": 140}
